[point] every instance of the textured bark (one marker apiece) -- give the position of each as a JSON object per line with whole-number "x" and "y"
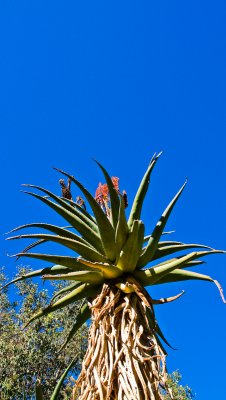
{"x": 124, "y": 360}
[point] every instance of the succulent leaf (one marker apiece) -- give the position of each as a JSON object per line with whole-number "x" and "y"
{"x": 70, "y": 262}
{"x": 61, "y": 380}
{"x": 146, "y": 238}
{"x": 154, "y": 274}
{"x": 164, "y": 251}
{"x": 109, "y": 271}
{"x": 183, "y": 275}
{"x": 122, "y": 230}
{"x": 78, "y": 247}
{"x": 54, "y": 270}
{"x": 74, "y": 209}
{"x": 153, "y": 324}
{"x": 82, "y": 291}
{"x": 162, "y": 336}
{"x": 82, "y": 211}
{"x": 38, "y": 391}
{"x": 152, "y": 245}
{"x": 132, "y": 248}
{"x": 55, "y": 229}
{"x": 83, "y": 315}
{"x": 92, "y": 277}
{"x": 105, "y": 228}
{"x": 188, "y": 264}
{"x": 162, "y": 270}
{"x": 75, "y": 221}
{"x": 65, "y": 289}
{"x": 141, "y": 192}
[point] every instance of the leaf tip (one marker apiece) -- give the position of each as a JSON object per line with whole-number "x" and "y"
{"x": 159, "y": 154}
{"x": 12, "y": 255}
{"x": 220, "y": 290}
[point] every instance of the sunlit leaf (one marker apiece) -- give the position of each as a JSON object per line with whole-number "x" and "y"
{"x": 152, "y": 245}
{"x": 122, "y": 230}
{"x": 105, "y": 228}
{"x": 76, "y": 210}
{"x": 92, "y": 277}
{"x": 78, "y": 247}
{"x": 135, "y": 212}
{"x": 56, "y": 269}
{"x": 61, "y": 380}
{"x": 164, "y": 251}
{"x": 55, "y": 229}
{"x": 108, "y": 271}
{"x": 85, "y": 230}
{"x": 70, "y": 262}
{"x": 82, "y": 291}
{"x": 132, "y": 248}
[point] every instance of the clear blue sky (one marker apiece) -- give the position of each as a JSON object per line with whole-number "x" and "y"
{"x": 117, "y": 81}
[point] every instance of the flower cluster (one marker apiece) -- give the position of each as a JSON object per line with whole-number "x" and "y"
{"x": 102, "y": 194}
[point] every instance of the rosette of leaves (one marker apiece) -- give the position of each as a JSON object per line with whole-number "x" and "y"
{"x": 113, "y": 264}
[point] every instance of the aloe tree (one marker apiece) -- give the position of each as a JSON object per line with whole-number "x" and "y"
{"x": 113, "y": 264}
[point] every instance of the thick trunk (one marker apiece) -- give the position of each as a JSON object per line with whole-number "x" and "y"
{"x": 124, "y": 360}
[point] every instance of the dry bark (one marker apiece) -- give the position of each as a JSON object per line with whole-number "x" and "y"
{"x": 124, "y": 359}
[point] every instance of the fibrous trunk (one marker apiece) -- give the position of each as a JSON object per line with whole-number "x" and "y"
{"x": 124, "y": 360}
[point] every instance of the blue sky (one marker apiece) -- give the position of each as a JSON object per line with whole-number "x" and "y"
{"x": 117, "y": 81}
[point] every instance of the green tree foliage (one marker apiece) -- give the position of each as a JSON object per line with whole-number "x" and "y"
{"x": 33, "y": 353}
{"x": 179, "y": 392}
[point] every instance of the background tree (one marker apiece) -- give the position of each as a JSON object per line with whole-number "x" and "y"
{"x": 33, "y": 353}
{"x": 179, "y": 392}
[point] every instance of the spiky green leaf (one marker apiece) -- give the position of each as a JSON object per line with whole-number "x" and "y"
{"x": 65, "y": 289}
{"x": 141, "y": 192}
{"x": 164, "y": 251}
{"x": 157, "y": 272}
{"x": 55, "y": 229}
{"x": 122, "y": 229}
{"x": 61, "y": 380}
{"x": 65, "y": 261}
{"x": 146, "y": 238}
{"x": 54, "y": 270}
{"x": 83, "y": 291}
{"x": 92, "y": 277}
{"x": 82, "y": 210}
{"x": 105, "y": 228}
{"x": 88, "y": 252}
{"x": 184, "y": 275}
{"x": 38, "y": 391}
{"x": 83, "y": 315}
{"x": 131, "y": 250}
{"x": 152, "y": 245}
{"x": 74, "y": 209}
{"x": 109, "y": 271}
{"x": 88, "y": 234}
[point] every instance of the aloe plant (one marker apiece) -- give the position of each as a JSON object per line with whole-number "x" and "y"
{"x": 113, "y": 264}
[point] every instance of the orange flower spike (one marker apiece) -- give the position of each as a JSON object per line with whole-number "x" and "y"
{"x": 98, "y": 194}
{"x": 101, "y": 195}
{"x": 115, "y": 181}
{"x": 104, "y": 191}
